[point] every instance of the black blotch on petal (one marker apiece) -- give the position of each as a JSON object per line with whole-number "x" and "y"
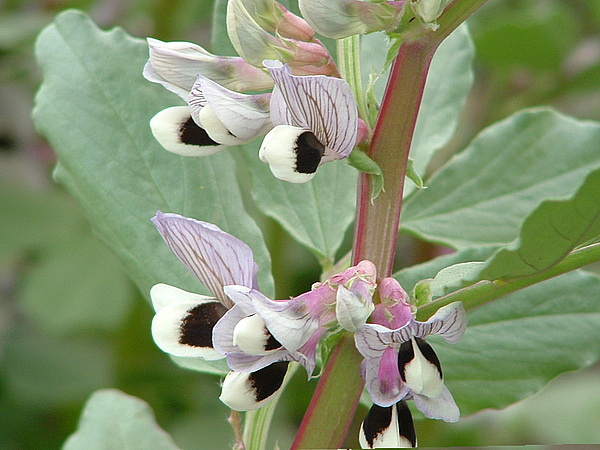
{"x": 190, "y": 133}
{"x": 272, "y": 343}
{"x": 196, "y": 328}
{"x": 405, "y": 355}
{"x": 405, "y": 423}
{"x": 377, "y": 421}
{"x": 429, "y": 354}
{"x": 309, "y": 152}
{"x": 266, "y": 381}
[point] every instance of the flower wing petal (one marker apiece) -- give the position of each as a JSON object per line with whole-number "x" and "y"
{"x": 442, "y": 407}
{"x": 449, "y": 321}
{"x": 215, "y": 257}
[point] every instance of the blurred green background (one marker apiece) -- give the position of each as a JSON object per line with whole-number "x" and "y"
{"x": 71, "y": 322}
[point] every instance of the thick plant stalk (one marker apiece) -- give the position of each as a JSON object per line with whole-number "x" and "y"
{"x": 377, "y": 222}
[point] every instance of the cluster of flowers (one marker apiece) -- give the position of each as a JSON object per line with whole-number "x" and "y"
{"x": 309, "y": 116}
{"x": 259, "y": 336}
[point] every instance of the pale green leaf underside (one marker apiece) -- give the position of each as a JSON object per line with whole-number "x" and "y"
{"x": 481, "y": 197}
{"x": 113, "y": 419}
{"x": 554, "y": 229}
{"x": 94, "y": 107}
{"x": 317, "y": 213}
{"x": 515, "y": 345}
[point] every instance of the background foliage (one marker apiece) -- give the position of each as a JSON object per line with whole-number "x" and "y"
{"x": 71, "y": 322}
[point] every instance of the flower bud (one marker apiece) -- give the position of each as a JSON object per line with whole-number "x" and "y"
{"x": 342, "y": 18}
{"x": 429, "y": 10}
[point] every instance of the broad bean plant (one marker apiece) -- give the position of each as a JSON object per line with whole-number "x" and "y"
{"x": 328, "y": 118}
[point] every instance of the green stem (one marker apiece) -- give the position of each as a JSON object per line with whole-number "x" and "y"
{"x": 486, "y": 291}
{"x": 348, "y": 50}
{"x": 376, "y": 225}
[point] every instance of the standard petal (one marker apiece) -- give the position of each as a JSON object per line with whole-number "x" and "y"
{"x": 178, "y": 133}
{"x": 249, "y": 391}
{"x": 245, "y": 117}
{"x": 449, "y": 321}
{"x": 217, "y": 258}
{"x": 164, "y": 294}
{"x": 185, "y": 329}
{"x": 388, "y": 427}
{"x": 443, "y": 407}
{"x": 175, "y": 65}
{"x": 321, "y": 104}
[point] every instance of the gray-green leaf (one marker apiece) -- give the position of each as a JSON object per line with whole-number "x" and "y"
{"x": 94, "y": 107}
{"x": 112, "y": 419}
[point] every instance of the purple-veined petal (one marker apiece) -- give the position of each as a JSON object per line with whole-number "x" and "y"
{"x": 388, "y": 427}
{"x": 243, "y": 362}
{"x": 372, "y": 339}
{"x": 352, "y": 310}
{"x": 175, "y": 65}
{"x": 185, "y": 328}
{"x": 223, "y": 330}
{"x": 449, "y": 321}
{"x": 249, "y": 391}
{"x": 178, "y": 133}
{"x": 244, "y": 116}
{"x": 164, "y": 294}
{"x": 321, "y": 104}
{"x": 217, "y": 258}
{"x": 442, "y": 407}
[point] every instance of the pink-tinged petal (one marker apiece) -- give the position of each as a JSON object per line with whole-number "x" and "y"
{"x": 178, "y": 133}
{"x": 394, "y": 310}
{"x": 245, "y": 117}
{"x": 249, "y": 391}
{"x": 388, "y": 427}
{"x": 321, "y": 104}
{"x": 392, "y": 389}
{"x": 175, "y": 65}
{"x": 185, "y": 329}
{"x": 449, "y": 321}
{"x": 443, "y": 407}
{"x": 309, "y": 352}
{"x": 217, "y": 258}
{"x": 164, "y": 294}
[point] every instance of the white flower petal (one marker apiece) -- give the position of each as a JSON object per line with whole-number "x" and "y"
{"x": 249, "y": 391}
{"x": 165, "y": 294}
{"x": 389, "y": 427}
{"x": 421, "y": 375}
{"x": 177, "y": 132}
{"x": 251, "y": 336}
{"x": 293, "y": 154}
{"x": 442, "y": 407}
{"x": 185, "y": 329}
